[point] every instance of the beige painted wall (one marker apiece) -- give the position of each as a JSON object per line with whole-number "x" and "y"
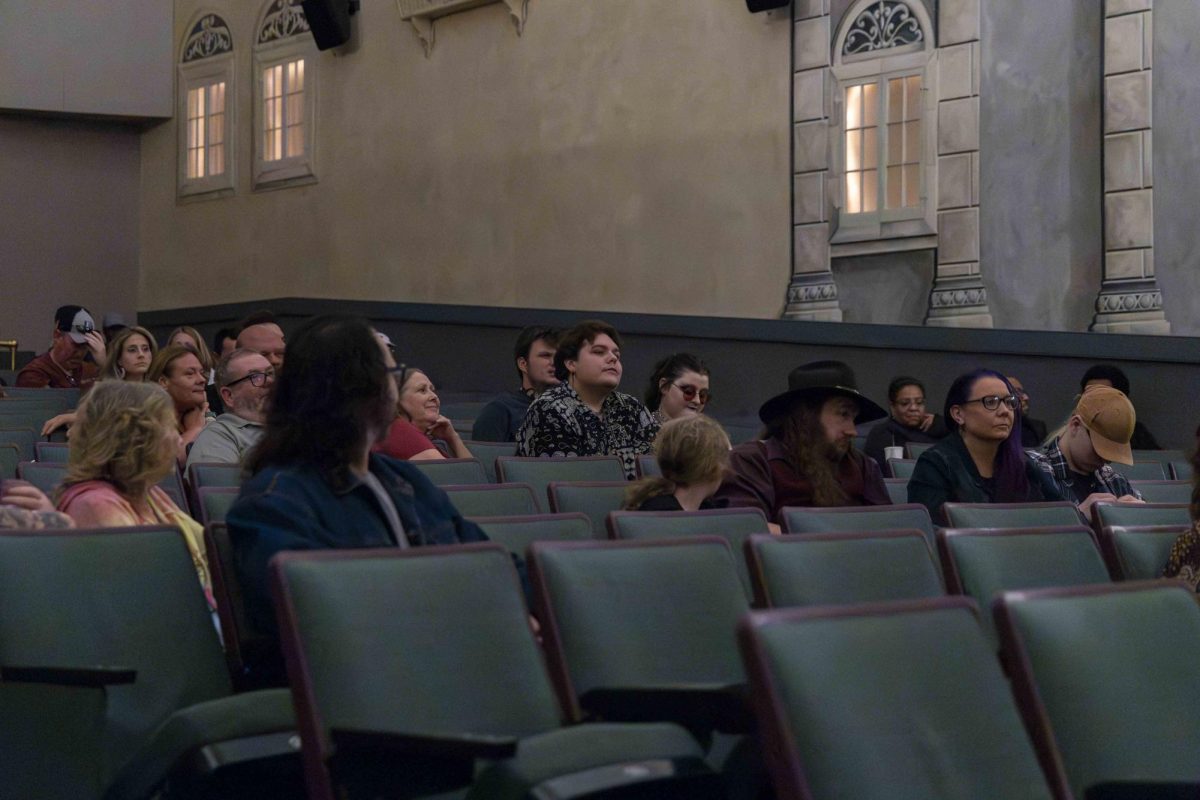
{"x": 619, "y": 155}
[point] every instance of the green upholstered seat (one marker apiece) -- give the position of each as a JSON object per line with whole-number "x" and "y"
{"x": 1140, "y": 514}
{"x": 22, "y": 435}
{"x": 201, "y": 475}
{"x": 488, "y": 452}
{"x": 53, "y": 452}
{"x": 493, "y": 499}
{"x": 1108, "y": 674}
{"x": 1181, "y": 470}
{"x": 517, "y": 533}
{"x": 840, "y": 568}
{"x": 215, "y": 502}
{"x": 648, "y": 466}
{"x": 44, "y": 475}
{"x": 913, "y": 450}
{"x": 901, "y": 467}
{"x": 1138, "y": 553}
{"x": 593, "y": 498}
{"x": 539, "y": 472}
{"x": 1011, "y": 515}
{"x": 10, "y": 457}
{"x": 453, "y": 471}
{"x": 897, "y": 489}
{"x": 896, "y": 701}
{"x": 1142, "y": 470}
{"x": 435, "y": 642}
{"x": 909, "y": 516}
{"x": 1164, "y": 491}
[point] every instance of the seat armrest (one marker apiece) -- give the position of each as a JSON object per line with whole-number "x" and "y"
{"x": 443, "y": 745}
{"x": 96, "y": 677}
{"x": 722, "y": 707}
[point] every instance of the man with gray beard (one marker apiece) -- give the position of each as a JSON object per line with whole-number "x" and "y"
{"x": 245, "y": 379}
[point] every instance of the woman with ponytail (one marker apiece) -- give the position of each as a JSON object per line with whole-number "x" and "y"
{"x": 693, "y": 456}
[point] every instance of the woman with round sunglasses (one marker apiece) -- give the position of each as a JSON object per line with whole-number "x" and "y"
{"x": 678, "y": 387}
{"x": 981, "y": 461}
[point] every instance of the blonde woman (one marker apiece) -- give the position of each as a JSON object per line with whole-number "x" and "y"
{"x": 123, "y": 443}
{"x": 693, "y": 456}
{"x": 186, "y": 336}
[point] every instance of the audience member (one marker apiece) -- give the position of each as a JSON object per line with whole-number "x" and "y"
{"x": 129, "y": 355}
{"x": 224, "y": 342}
{"x": 585, "y": 415}
{"x": 123, "y": 444}
{"x": 24, "y": 507}
{"x": 178, "y": 370}
{"x": 678, "y": 387}
{"x": 1112, "y": 376}
{"x": 982, "y": 460}
{"x": 1077, "y": 460}
{"x": 315, "y": 483}
{"x": 807, "y": 457}
{"x": 534, "y": 356}
{"x": 65, "y": 365}
{"x": 262, "y": 334}
{"x": 909, "y": 421}
{"x": 420, "y": 421}
{"x": 693, "y": 456}
{"x": 113, "y": 324}
{"x": 1033, "y": 431}
{"x": 190, "y": 338}
{"x": 1184, "y": 561}
{"x": 245, "y": 379}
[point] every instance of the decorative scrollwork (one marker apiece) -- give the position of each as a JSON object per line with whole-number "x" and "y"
{"x": 812, "y": 293}
{"x": 886, "y": 24}
{"x": 283, "y": 19}
{"x": 209, "y": 37}
{"x": 958, "y": 298}
{"x": 1133, "y": 301}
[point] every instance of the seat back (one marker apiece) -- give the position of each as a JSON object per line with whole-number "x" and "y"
{"x": 637, "y": 614}
{"x": 982, "y": 562}
{"x": 493, "y": 499}
{"x": 1011, "y": 515}
{"x": 594, "y": 498}
{"x": 45, "y": 475}
{"x": 205, "y": 475}
{"x": 1164, "y": 491}
{"x": 897, "y": 489}
{"x": 538, "y": 472}
{"x": 842, "y": 568}
{"x": 10, "y": 457}
{"x": 865, "y": 702}
{"x": 120, "y": 597}
{"x": 647, "y": 466}
{"x": 63, "y": 399}
{"x": 1106, "y": 676}
{"x": 1138, "y": 553}
{"x": 1142, "y": 470}
{"x": 242, "y": 640}
{"x": 460, "y": 658}
{"x": 52, "y": 452}
{"x": 23, "y": 436}
{"x": 1181, "y": 470}
{"x": 517, "y": 533}
{"x": 909, "y": 516}
{"x": 488, "y": 452}
{"x": 734, "y": 525}
{"x": 1139, "y": 514}
{"x": 453, "y": 471}
{"x": 901, "y": 467}
{"x": 172, "y": 484}
{"x": 214, "y": 502}
{"x": 913, "y": 450}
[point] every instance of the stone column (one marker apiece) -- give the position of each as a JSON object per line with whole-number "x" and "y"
{"x": 812, "y": 294}
{"x": 1129, "y": 300}
{"x": 958, "y": 298}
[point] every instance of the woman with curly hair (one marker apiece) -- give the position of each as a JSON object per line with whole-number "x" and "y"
{"x": 1184, "y": 561}
{"x": 693, "y": 455}
{"x": 123, "y": 443}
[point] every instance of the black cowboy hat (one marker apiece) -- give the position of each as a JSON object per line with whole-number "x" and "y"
{"x": 820, "y": 379}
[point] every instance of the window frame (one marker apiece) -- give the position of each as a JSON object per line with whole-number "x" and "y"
{"x": 195, "y": 74}
{"x": 290, "y": 170}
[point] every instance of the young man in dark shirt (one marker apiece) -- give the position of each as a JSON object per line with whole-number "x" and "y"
{"x": 500, "y": 419}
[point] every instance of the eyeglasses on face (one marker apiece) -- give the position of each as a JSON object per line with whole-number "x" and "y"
{"x": 689, "y": 392}
{"x": 257, "y": 379}
{"x": 992, "y": 401}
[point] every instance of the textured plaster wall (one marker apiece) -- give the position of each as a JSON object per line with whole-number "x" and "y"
{"x": 1176, "y": 167}
{"x": 618, "y": 155}
{"x": 885, "y": 289}
{"x": 1040, "y": 168}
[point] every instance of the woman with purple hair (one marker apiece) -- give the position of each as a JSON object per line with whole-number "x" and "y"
{"x": 981, "y": 461}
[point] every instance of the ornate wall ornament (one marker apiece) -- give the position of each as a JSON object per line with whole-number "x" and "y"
{"x": 812, "y": 293}
{"x": 421, "y": 14}
{"x": 284, "y": 19}
{"x": 209, "y": 37}
{"x": 1134, "y": 301}
{"x": 958, "y": 298}
{"x": 886, "y": 24}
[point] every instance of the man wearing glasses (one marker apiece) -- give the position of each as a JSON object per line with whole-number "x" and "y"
{"x": 245, "y": 379}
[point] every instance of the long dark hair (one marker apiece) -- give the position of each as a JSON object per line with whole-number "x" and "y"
{"x": 671, "y": 368}
{"x": 803, "y": 439}
{"x": 1012, "y": 484}
{"x": 330, "y": 396}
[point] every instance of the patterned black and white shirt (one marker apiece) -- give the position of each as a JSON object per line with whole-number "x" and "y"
{"x": 1074, "y": 486}
{"x": 558, "y": 423}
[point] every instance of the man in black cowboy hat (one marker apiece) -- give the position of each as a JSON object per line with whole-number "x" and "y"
{"x": 807, "y": 458}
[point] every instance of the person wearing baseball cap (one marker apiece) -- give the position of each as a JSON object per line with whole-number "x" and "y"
{"x": 808, "y": 458}
{"x": 64, "y": 365}
{"x": 1097, "y": 433}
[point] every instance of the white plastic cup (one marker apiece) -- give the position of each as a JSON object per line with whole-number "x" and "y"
{"x": 893, "y": 452}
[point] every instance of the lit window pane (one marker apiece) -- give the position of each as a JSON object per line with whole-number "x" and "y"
{"x": 870, "y": 148}
{"x": 296, "y": 78}
{"x": 870, "y": 191}
{"x": 853, "y": 192}
{"x": 870, "y": 105}
{"x": 895, "y": 186}
{"x": 216, "y": 159}
{"x": 895, "y": 108}
{"x": 912, "y": 142}
{"x": 895, "y": 144}
{"x": 912, "y": 185}
{"x": 853, "y": 150}
{"x": 853, "y": 107}
{"x": 912, "y": 99}
{"x": 295, "y": 140}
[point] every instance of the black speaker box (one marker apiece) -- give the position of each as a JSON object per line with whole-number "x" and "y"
{"x": 329, "y": 21}
{"x": 765, "y": 5}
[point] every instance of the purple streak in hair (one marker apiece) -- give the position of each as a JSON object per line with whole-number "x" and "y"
{"x": 1012, "y": 484}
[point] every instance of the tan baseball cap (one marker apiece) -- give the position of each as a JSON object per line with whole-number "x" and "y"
{"x": 1109, "y": 417}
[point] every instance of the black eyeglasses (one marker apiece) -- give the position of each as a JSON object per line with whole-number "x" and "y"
{"x": 992, "y": 401}
{"x": 257, "y": 379}
{"x": 689, "y": 392}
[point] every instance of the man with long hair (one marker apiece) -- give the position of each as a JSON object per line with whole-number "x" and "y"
{"x": 808, "y": 458}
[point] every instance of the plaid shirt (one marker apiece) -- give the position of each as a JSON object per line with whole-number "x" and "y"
{"x": 1052, "y": 461}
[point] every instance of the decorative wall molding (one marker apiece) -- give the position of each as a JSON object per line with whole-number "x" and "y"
{"x": 882, "y": 26}
{"x": 284, "y": 19}
{"x": 1129, "y": 299}
{"x": 209, "y": 37}
{"x": 421, "y": 14}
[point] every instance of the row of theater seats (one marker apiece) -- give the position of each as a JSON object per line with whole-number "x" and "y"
{"x": 415, "y": 673}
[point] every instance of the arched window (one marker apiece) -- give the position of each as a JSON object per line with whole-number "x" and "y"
{"x": 284, "y": 96}
{"x": 205, "y": 108}
{"x": 885, "y": 121}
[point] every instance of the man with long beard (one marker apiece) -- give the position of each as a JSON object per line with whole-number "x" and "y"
{"x": 807, "y": 458}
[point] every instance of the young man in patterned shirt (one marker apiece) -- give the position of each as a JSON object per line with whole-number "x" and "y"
{"x": 585, "y": 415}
